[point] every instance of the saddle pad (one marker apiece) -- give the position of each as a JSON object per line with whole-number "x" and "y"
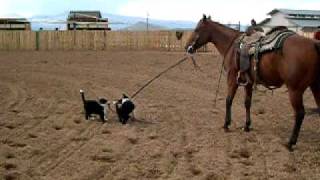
{"x": 271, "y": 42}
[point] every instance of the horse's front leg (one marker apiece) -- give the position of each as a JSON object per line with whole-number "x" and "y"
{"x": 232, "y": 89}
{"x": 247, "y": 104}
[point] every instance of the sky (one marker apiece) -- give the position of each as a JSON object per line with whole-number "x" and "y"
{"x": 225, "y": 11}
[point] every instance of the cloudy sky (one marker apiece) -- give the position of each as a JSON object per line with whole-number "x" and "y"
{"x": 225, "y": 11}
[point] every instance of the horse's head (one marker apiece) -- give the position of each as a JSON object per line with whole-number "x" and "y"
{"x": 200, "y": 36}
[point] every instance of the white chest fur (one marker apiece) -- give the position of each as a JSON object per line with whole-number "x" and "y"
{"x": 105, "y": 111}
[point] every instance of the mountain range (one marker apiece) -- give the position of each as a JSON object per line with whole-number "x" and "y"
{"x": 117, "y": 22}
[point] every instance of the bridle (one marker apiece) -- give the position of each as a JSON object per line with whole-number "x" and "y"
{"x": 191, "y": 48}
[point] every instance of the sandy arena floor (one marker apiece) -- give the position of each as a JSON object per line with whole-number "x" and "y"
{"x": 178, "y": 134}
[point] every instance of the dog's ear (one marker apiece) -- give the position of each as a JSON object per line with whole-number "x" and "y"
{"x": 103, "y": 101}
{"x": 124, "y": 96}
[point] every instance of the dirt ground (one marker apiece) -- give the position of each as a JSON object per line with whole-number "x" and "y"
{"x": 178, "y": 132}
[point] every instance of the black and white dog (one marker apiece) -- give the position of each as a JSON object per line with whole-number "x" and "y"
{"x": 95, "y": 107}
{"x": 124, "y": 107}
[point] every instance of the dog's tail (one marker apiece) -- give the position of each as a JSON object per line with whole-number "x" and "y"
{"x": 82, "y": 95}
{"x": 317, "y": 45}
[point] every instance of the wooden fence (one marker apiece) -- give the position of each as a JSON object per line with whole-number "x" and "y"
{"x": 93, "y": 40}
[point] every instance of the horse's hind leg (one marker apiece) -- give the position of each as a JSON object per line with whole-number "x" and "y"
{"x": 232, "y": 89}
{"x": 296, "y": 99}
{"x": 247, "y": 103}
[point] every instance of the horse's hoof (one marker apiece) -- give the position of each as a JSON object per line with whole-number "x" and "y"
{"x": 289, "y": 147}
{"x": 226, "y": 129}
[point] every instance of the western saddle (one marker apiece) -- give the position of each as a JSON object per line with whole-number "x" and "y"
{"x": 251, "y": 45}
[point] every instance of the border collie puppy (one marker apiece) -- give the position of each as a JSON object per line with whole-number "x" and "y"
{"x": 95, "y": 107}
{"x": 124, "y": 107}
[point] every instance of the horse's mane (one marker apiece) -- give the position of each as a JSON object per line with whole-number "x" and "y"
{"x": 277, "y": 28}
{"x": 224, "y": 26}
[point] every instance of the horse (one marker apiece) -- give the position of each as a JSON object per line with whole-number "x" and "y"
{"x": 317, "y": 34}
{"x": 296, "y": 65}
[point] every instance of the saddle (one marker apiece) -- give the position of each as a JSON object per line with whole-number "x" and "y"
{"x": 257, "y": 44}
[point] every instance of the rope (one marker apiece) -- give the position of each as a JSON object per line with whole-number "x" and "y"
{"x": 221, "y": 69}
{"x": 157, "y": 76}
{"x": 219, "y": 81}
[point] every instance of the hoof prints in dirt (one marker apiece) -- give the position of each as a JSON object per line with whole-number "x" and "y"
{"x": 32, "y": 136}
{"x": 9, "y": 155}
{"x": 57, "y": 127}
{"x": 153, "y": 136}
{"x": 11, "y": 176}
{"x": 106, "y": 131}
{"x": 146, "y": 144}
{"x": 195, "y": 170}
{"x": 78, "y": 139}
{"x": 13, "y": 144}
{"x": 10, "y": 126}
{"x": 77, "y": 121}
{"x": 103, "y": 158}
{"x": 240, "y": 153}
{"x": 9, "y": 166}
{"x": 133, "y": 140}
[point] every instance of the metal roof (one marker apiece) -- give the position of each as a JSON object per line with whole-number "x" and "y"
{"x": 305, "y": 22}
{"x": 301, "y": 18}
{"x": 14, "y": 20}
{"x": 85, "y": 14}
{"x": 297, "y": 12}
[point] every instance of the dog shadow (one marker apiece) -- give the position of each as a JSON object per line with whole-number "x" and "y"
{"x": 141, "y": 121}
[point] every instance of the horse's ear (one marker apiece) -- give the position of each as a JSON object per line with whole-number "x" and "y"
{"x": 204, "y": 18}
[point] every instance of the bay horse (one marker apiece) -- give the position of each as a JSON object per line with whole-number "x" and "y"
{"x": 317, "y": 34}
{"x": 296, "y": 65}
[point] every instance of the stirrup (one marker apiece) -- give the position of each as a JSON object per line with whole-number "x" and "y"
{"x": 240, "y": 83}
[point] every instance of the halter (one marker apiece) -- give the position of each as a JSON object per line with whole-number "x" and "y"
{"x": 191, "y": 46}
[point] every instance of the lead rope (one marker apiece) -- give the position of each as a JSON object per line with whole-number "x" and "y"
{"x": 221, "y": 69}
{"x": 219, "y": 81}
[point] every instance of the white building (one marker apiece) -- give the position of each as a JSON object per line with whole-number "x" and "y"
{"x": 86, "y": 20}
{"x": 14, "y": 24}
{"x": 301, "y": 21}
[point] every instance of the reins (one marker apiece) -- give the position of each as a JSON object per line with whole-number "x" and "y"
{"x": 219, "y": 81}
{"x": 158, "y": 76}
{"x": 221, "y": 68}
{"x": 178, "y": 63}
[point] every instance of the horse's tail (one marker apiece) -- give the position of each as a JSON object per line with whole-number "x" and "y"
{"x": 318, "y": 48}
{"x": 317, "y": 44}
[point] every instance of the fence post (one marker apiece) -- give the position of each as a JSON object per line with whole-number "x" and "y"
{"x": 104, "y": 40}
{"x": 169, "y": 41}
{"x": 37, "y": 41}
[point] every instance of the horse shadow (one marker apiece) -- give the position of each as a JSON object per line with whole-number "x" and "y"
{"x": 312, "y": 111}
